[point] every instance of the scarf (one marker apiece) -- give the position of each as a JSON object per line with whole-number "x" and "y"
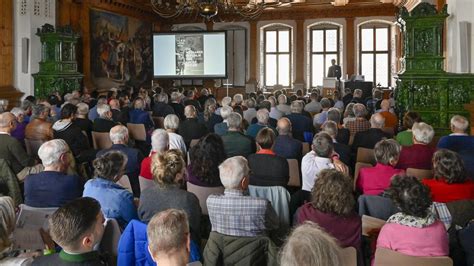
{"x": 412, "y": 221}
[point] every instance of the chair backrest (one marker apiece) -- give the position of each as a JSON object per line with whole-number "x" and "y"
{"x": 365, "y": 155}
{"x": 32, "y": 146}
{"x": 87, "y": 137}
{"x": 294, "y": 173}
{"x": 159, "y": 121}
{"x": 349, "y": 256}
{"x": 279, "y": 197}
{"x": 111, "y": 237}
{"x": 357, "y": 168}
{"x": 145, "y": 183}
{"x": 101, "y": 140}
{"x": 420, "y": 173}
{"x": 137, "y": 131}
{"x": 193, "y": 142}
{"x": 388, "y": 130}
{"x": 125, "y": 183}
{"x": 202, "y": 193}
{"x": 305, "y": 148}
{"x": 387, "y": 257}
{"x": 370, "y": 223}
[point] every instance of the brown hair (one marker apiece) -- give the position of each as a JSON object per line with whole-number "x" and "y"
{"x": 332, "y": 193}
{"x": 448, "y": 165}
{"x": 411, "y": 118}
{"x": 265, "y": 138}
{"x": 166, "y": 166}
{"x": 168, "y": 231}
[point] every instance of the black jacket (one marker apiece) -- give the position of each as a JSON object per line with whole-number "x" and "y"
{"x": 268, "y": 170}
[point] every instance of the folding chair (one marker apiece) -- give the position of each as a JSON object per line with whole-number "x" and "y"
{"x": 101, "y": 140}
{"x": 294, "y": 173}
{"x": 387, "y": 257}
{"x": 137, "y": 131}
{"x": 202, "y": 193}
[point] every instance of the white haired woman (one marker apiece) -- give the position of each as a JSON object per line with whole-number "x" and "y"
{"x": 420, "y": 154}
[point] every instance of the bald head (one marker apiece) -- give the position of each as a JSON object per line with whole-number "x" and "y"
{"x": 284, "y": 126}
{"x": 377, "y": 121}
{"x": 385, "y": 105}
{"x": 7, "y": 122}
{"x": 190, "y": 111}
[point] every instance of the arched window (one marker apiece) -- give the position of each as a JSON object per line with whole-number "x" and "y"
{"x": 374, "y": 53}
{"x": 324, "y": 46}
{"x": 277, "y": 55}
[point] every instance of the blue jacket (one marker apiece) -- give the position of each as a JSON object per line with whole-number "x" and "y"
{"x": 133, "y": 247}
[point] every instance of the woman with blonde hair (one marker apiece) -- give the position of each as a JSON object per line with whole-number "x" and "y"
{"x": 168, "y": 171}
{"x": 309, "y": 245}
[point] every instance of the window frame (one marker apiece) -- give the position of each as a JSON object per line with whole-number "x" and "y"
{"x": 374, "y": 52}
{"x": 323, "y": 27}
{"x": 277, "y": 29}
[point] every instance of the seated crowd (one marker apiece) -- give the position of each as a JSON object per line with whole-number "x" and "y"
{"x": 229, "y": 181}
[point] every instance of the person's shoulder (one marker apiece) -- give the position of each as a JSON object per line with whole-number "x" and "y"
{"x": 52, "y": 259}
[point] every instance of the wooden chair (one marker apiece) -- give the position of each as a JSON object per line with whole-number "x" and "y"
{"x": 193, "y": 142}
{"x": 33, "y": 145}
{"x": 420, "y": 173}
{"x": 370, "y": 223}
{"x": 125, "y": 183}
{"x": 387, "y": 257}
{"x": 305, "y": 148}
{"x": 365, "y": 155}
{"x": 159, "y": 121}
{"x": 145, "y": 183}
{"x": 357, "y": 168}
{"x": 389, "y": 130}
{"x": 137, "y": 131}
{"x": 294, "y": 173}
{"x": 202, "y": 193}
{"x": 101, "y": 140}
{"x": 111, "y": 237}
{"x": 349, "y": 256}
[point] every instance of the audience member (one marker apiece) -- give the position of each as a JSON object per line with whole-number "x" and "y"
{"x": 391, "y": 119}
{"x": 251, "y": 112}
{"x": 300, "y": 123}
{"x": 178, "y": 108}
{"x": 449, "y": 182}
{"x": 274, "y": 112}
{"x": 190, "y": 128}
{"x": 204, "y": 96}
{"x": 347, "y": 98}
{"x": 93, "y": 111}
{"x": 262, "y": 117}
{"x": 19, "y": 131}
{"x": 320, "y": 118}
{"x": 236, "y": 143}
{"x": 285, "y": 145}
{"x": 81, "y": 119}
{"x": 266, "y": 105}
{"x": 208, "y": 117}
{"x": 169, "y": 241}
{"x": 460, "y": 142}
{"x": 159, "y": 144}
{"x": 237, "y": 100}
{"x": 321, "y": 157}
{"x": 405, "y": 138}
{"x": 119, "y": 137}
{"x": 78, "y": 228}
{"x": 310, "y": 245}
{"x": 168, "y": 171}
{"x": 343, "y": 134}
{"x": 374, "y": 180}
{"x": 333, "y": 208}
{"x": 414, "y": 230}
{"x": 139, "y": 116}
{"x": 282, "y": 106}
{"x": 117, "y": 115}
{"x": 27, "y": 106}
{"x": 161, "y": 107}
{"x": 360, "y": 123}
{"x": 221, "y": 128}
{"x": 368, "y": 138}
{"x": 11, "y": 149}
{"x": 104, "y": 122}
{"x": 171, "y": 125}
{"x": 189, "y": 100}
{"x": 226, "y": 101}
{"x": 53, "y": 187}
{"x": 357, "y": 98}
{"x": 116, "y": 201}
{"x": 343, "y": 150}
{"x": 205, "y": 158}
{"x": 39, "y": 128}
{"x": 314, "y": 106}
{"x": 234, "y": 213}
{"x": 348, "y": 114}
{"x": 420, "y": 154}
{"x": 268, "y": 169}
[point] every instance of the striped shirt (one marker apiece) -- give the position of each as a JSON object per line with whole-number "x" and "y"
{"x": 238, "y": 215}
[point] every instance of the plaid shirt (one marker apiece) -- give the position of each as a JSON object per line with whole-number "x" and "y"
{"x": 238, "y": 215}
{"x": 443, "y": 214}
{"x": 358, "y": 125}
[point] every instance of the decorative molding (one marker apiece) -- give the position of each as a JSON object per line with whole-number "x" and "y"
{"x": 36, "y": 8}
{"x": 23, "y": 7}
{"x": 47, "y": 8}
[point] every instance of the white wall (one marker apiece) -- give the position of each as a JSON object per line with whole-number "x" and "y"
{"x": 28, "y": 15}
{"x": 459, "y": 11}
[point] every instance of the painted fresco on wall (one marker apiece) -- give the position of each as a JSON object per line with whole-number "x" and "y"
{"x": 120, "y": 50}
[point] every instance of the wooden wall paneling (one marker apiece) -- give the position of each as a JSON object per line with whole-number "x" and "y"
{"x": 300, "y": 52}
{"x": 6, "y": 42}
{"x": 350, "y": 46}
{"x": 253, "y": 53}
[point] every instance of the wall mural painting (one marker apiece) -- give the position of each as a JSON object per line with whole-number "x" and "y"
{"x": 120, "y": 50}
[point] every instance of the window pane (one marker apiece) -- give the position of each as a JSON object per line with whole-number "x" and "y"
{"x": 382, "y": 70}
{"x": 331, "y": 40}
{"x": 284, "y": 69}
{"x": 368, "y": 66}
{"x": 329, "y": 57}
{"x": 318, "y": 71}
{"x": 318, "y": 39}
{"x": 284, "y": 41}
{"x": 270, "y": 41}
{"x": 381, "y": 39}
{"x": 367, "y": 39}
{"x": 270, "y": 70}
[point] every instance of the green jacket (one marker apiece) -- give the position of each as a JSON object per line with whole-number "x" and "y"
{"x": 231, "y": 250}
{"x": 9, "y": 183}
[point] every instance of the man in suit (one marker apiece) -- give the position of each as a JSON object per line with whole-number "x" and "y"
{"x": 334, "y": 70}
{"x": 368, "y": 139}
{"x": 300, "y": 123}
{"x": 285, "y": 145}
{"x": 190, "y": 128}
{"x": 236, "y": 143}
{"x": 104, "y": 122}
